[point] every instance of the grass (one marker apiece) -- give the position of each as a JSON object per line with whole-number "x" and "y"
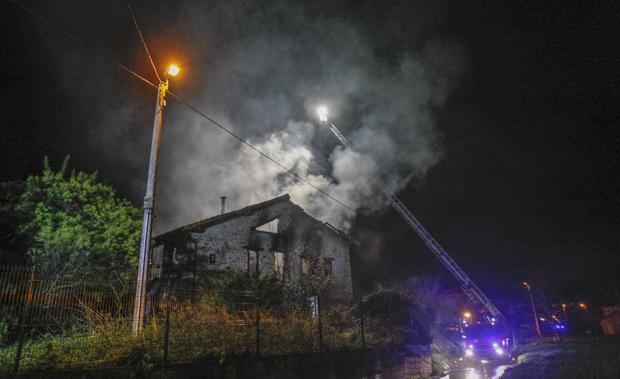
{"x": 194, "y": 334}
{"x": 100, "y": 347}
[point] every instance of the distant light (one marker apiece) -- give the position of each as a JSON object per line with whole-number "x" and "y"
{"x": 499, "y": 351}
{"x": 495, "y": 345}
{"x": 492, "y": 319}
{"x": 322, "y": 112}
{"x": 542, "y": 319}
{"x": 582, "y": 305}
{"x": 467, "y": 315}
{"x": 173, "y": 70}
{"x": 469, "y": 352}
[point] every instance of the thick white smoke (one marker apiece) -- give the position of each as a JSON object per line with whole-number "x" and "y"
{"x": 268, "y": 84}
{"x": 262, "y": 68}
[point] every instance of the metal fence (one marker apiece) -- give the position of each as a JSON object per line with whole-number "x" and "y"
{"x": 52, "y": 323}
{"x": 60, "y": 302}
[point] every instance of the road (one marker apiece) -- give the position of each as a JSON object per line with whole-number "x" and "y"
{"x": 490, "y": 370}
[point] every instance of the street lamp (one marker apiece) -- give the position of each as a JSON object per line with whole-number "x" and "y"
{"x": 149, "y": 203}
{"x": 173, "y": 70}
{"x": 529, "y": 290}
{"x": 467, "y": 315}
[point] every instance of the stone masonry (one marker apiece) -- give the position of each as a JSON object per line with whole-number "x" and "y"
{"x": 231, "y": 241}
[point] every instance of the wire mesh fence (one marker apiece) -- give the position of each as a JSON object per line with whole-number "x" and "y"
{"x": 52, "y": 323}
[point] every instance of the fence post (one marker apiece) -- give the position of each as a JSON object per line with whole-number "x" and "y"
{"x": 318, "y": 301}
{"x": 389, "y": 309}
{"x": 362, "y": 331}
{"x": 257, "y": 318}
{"x": 23, "y": 319}
{"x": 166, "y": 331}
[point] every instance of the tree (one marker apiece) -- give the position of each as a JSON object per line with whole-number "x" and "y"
{"x": 78, "y": 226}
{"x": 315, "y": 277}
{"x": 13, "y": 244}
{"x": 233, "y": 287}
{"x": 398, "y": 314}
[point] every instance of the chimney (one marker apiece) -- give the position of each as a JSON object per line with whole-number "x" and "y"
{"x": 223, "y": 199}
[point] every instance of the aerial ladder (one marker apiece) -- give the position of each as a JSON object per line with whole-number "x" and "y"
{"x": 468, "y": 286}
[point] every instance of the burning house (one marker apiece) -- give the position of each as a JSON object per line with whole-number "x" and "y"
{"x": 275, "y": 237}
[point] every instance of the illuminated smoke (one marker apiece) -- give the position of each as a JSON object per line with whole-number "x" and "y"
{"x": 262, "y": 70}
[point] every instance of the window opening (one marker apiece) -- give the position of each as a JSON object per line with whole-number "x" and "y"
{"x": 327, "y": 266}
{"x": 252, "y": 262}
{"x": 278, "y": 263}
{"x": 269, "y": 227}
{"x": 305, "y": 265}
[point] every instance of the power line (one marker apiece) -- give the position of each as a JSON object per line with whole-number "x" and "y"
{"x": 181, "y": 100}
{"x": 246, "y": 143}
{"x": 146, "y": 49}
{"x": 80, "y": 42}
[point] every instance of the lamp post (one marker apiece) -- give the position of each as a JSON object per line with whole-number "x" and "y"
{"x": 149, "y": 204}
{"x": 529, "y": 290}
{"x": 583, "y": 306}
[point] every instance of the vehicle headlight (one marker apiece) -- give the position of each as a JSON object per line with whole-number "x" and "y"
{"x": 469, "y": 352}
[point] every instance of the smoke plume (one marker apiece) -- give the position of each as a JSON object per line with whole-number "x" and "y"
{"x": 262, "y": 69}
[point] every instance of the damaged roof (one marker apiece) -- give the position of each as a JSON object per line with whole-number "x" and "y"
{"x": 208, "y": 222}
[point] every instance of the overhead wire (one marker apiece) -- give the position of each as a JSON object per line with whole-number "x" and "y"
{"x": 222, "y": 127}
{"x": 246, "y": 143}
{"x": 181, "y": 100}
{"x": 80, "y": 42}
{"x": 146, "y": 49}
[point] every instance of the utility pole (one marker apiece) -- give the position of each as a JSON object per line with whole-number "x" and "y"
{"x": 529, "y": 290}
{"x": 149, "y": 205}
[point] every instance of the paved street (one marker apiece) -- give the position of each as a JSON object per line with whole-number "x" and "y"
{"x": 490, "y": 370}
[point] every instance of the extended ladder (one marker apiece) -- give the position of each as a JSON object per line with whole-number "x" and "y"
{"x": 467, "y": 285}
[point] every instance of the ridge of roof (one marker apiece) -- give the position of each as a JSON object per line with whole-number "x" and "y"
{"x": 210, "y": 221}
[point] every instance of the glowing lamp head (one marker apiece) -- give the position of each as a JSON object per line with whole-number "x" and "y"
{"x": 322, "y": 112}
{"x": 173, "y": 70}
{"x": 467, "y": 315}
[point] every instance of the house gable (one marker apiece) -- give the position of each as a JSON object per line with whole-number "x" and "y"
{"x": 249, "y": 240}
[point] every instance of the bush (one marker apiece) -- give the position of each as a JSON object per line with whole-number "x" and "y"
{"x": 111, "y": 344}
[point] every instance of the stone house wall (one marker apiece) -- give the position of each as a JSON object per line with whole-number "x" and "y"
{"x": 223, "y": 244}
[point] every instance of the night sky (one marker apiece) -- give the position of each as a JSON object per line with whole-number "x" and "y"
{"x": 527, "y": 184}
